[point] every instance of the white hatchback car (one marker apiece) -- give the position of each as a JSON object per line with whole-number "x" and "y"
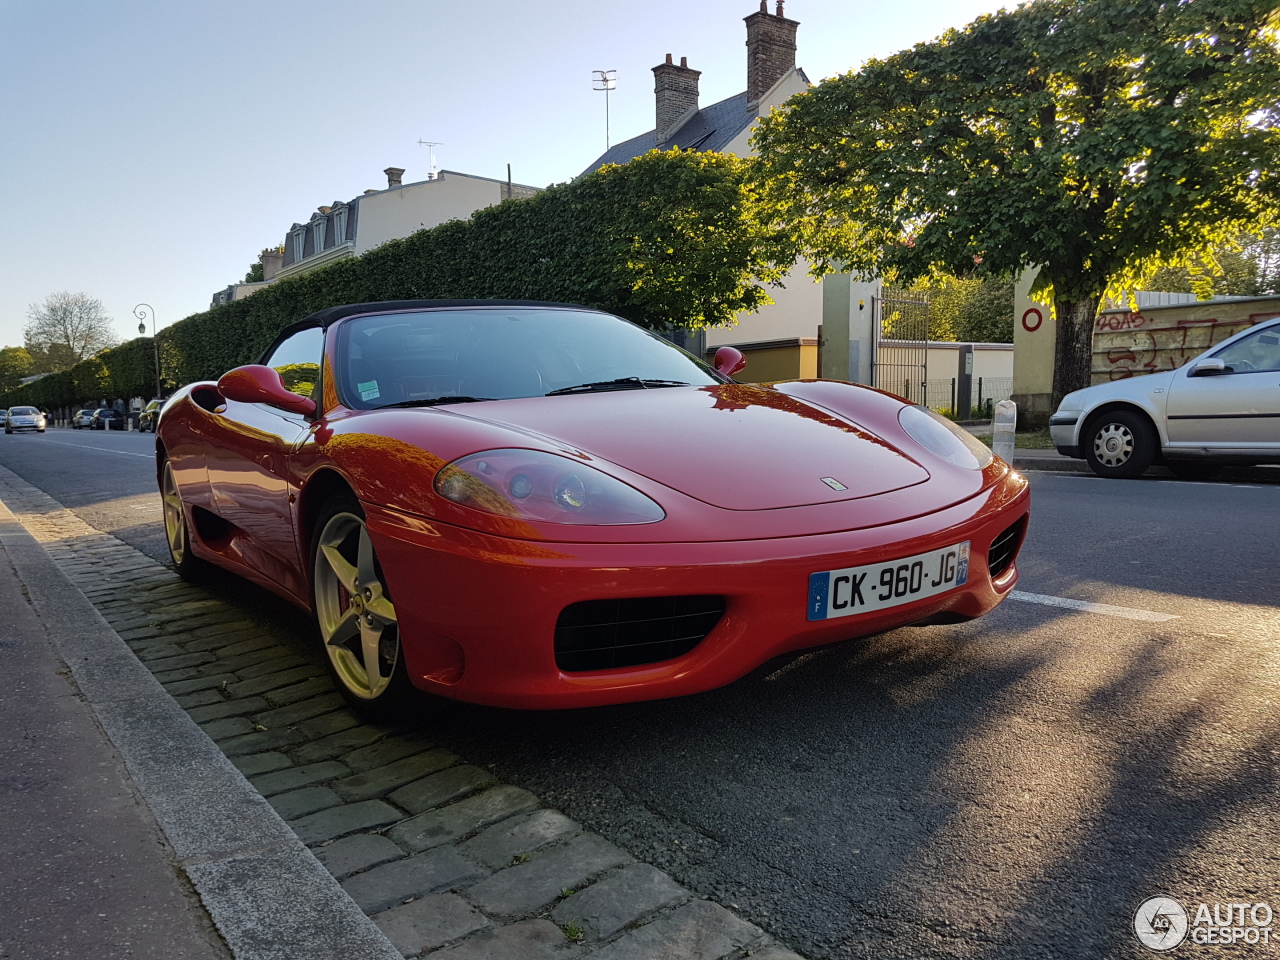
{"x": 1222, "y": 407}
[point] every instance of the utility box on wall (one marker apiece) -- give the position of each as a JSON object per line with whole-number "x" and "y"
{"x": 964, "y": 382}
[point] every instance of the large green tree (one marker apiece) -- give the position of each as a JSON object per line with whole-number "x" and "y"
{"x": 66, "y": 328}
{"x": 1094, "y": 138}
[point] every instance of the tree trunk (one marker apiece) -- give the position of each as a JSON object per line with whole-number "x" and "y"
{"x": 1073, "y": 351}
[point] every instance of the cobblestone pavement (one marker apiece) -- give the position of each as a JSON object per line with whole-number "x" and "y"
{"x": 440, "y": 855}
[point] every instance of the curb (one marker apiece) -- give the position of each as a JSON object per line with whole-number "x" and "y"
{"x": 1055, "y": 464}
{"x": 268, "y": 895}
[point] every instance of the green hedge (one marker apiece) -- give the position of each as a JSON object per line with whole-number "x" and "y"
{"x": 670, "y": 239}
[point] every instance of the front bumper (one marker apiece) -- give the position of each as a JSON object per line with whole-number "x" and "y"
{"x": 477, "y": 613}
{"x": 1064, "y": 430}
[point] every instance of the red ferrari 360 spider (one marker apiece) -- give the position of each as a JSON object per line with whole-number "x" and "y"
{"x": 541, "y": 506}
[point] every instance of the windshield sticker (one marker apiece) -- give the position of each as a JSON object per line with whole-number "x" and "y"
{"x": 369, "y": 390}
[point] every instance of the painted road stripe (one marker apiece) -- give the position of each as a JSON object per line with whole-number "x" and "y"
{"x": 85, "y": 446}
{"x": 1106, "y": 609}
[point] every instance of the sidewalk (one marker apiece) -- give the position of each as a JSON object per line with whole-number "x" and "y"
{"x": 87, "y": 872}
{"x": 126, "y": 832}
{"x": 306, "y": 832}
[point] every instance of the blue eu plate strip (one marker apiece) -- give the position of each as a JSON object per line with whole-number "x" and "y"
{"x": 819, "y": 584}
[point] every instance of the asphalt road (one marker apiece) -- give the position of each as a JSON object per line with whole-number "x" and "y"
{"x": 1009, "y": 788}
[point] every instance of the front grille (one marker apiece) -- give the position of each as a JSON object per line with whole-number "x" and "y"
{"x": 608, "y": 634}
{"x": 1004, "y": 548}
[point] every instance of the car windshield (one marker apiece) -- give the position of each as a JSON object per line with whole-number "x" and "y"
{"x": 502, "y": 353}
{"x": 23, "y": 411}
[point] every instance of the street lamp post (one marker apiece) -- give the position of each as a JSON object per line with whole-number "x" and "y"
{"x": 141, "y": 311}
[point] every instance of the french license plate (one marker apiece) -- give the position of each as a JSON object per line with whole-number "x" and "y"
{"x": 877, "y": 586}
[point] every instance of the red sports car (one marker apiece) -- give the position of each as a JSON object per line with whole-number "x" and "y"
{"x": 541, "y": 506}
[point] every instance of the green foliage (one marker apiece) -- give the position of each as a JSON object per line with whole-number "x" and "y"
{"x": 1096, "y": 138}
{"x": 51, "y": 357}
{"x": 15, "y": 363}
{"x": 1248, "y": 267}
{"x": 255, "y": 274}
{"x": 969, "y": 310}
{"x": 300, "y": 377}
{"x": 670, "y": 239}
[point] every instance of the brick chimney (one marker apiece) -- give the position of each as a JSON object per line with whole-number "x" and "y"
{"x": 272, "y": 261}
{"x": 675, "y": 90}
{"x": 771, "y": 50}
{"x": 395, "y": 176}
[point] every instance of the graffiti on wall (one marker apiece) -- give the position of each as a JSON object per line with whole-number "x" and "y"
{"x": 1132, "y": 344}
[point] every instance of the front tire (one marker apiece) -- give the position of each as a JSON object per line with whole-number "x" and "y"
{"x": 354, "y": 612}
{"x": 1119, "y": 444}
{"x": 188, "y": 566}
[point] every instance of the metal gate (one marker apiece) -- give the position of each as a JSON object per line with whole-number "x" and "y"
{"x": 901, "y": 360}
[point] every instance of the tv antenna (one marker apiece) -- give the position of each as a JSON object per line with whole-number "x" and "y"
{"x": 431, "y": 153}
{"x": 605, "y": 80}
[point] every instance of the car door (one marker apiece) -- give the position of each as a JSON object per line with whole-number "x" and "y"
{"x": 1236, "y": 410}
{"x": 248, "y": 449}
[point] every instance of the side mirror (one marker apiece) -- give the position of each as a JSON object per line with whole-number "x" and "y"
{"x": 255, "y": 383}
{"x": 729, "y": 360}
{"x": 1207, "y": 368}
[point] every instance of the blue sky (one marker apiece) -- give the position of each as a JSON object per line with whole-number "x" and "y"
{"x": 150, "y": 148}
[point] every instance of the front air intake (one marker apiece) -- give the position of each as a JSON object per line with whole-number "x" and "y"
{"x": 1005, "y": 548}
{"x": 609, "y": 634}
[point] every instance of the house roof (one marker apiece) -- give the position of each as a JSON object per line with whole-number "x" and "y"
{"x": 711, "y": 128}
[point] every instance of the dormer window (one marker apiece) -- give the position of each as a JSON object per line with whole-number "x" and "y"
{"x": 339, "y": 225}
{"x": 319, "y": 225}
{"x": 299, "y": 238}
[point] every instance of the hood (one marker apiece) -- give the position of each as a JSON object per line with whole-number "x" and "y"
{"x": 735, "y": 446}
{"x": 1128, "y": 388}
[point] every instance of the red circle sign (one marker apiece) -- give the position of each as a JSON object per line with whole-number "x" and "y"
{"x": 1029, "y": 327}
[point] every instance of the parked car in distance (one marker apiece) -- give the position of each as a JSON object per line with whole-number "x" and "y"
{"x": 81, "y": 418}
{"x": 1221, "y": 408}
{"x": 149, "y": 415}
{"x": 17, "y": 419}
{"x": 542, "y": 506}
{"x": 105, "y": 418}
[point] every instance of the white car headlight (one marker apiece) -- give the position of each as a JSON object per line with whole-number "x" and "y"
{"x": 944, "y": 439}
{"x": 533, "y": 485}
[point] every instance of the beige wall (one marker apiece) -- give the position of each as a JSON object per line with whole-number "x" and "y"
{"x": 796, "y": 311}
{"x": 1035, "y": 334}
{"x": 1130, "y": 344}
{"x": 396, "y": 213}
{"x": 770, "y": 361}
{"x": 989, "y": 359}
{"x": 797, "y": 307}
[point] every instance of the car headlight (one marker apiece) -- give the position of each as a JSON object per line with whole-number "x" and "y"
{"x": 533, "y": 485}
{"x": 944, "y": 439}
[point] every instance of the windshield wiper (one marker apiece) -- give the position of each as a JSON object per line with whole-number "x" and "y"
{"x": 622, "y": 383}
{"x": 432, "y": 402}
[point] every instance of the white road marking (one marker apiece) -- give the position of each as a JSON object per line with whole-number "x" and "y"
{"x": 81, "y": 446}
{"x": 1106, "y": 609}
